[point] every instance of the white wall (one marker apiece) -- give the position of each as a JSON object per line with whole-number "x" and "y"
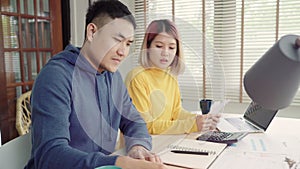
{"x": 127, "y": 65}
{"x": 78, "y": 11}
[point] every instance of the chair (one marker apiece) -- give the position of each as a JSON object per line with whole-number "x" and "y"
{"x": 16, "y": 153}
{"x": 23, "y": 114}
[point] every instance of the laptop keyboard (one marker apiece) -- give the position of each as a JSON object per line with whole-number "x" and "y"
{"x": 222, "y": 137}
{"x": 240, "y": 125}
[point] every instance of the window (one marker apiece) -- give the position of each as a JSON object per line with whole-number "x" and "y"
{"x": 222, "y": 39}
{"x": 30, "y": 33}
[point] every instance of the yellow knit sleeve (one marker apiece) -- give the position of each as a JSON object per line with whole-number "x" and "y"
{"x": 138, "y": 93}
{"x": 185, "y": 120}
{"x": 162, "y": 115}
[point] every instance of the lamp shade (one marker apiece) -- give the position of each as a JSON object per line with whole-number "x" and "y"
{"x": 274, "y": 79}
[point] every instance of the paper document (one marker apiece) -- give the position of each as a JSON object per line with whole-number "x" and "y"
{"x": 262, "y": 151}
{"x": 237, "y": 160}
{"x": 218, "y": 106}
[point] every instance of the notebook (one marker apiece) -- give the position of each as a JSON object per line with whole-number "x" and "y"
{"x": 255, "y": 119}
{"x": 202, "y": 154}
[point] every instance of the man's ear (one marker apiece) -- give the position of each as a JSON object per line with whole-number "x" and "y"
{"x": 90, "y": 31}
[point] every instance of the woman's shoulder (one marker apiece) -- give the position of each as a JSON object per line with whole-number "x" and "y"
{"x": 137, "y": 70}
{"x": 134, "y": 73}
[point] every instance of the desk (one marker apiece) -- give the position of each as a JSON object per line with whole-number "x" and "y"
{"x": 278, "y": 147}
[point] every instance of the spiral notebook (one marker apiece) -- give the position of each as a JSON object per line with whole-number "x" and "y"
{"x": 210, "y": 152}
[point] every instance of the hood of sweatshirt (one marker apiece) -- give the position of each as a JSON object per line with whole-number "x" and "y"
{"x": 73, "y": 56}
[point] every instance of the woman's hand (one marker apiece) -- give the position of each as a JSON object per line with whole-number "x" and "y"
{"x": 207, "y": 122}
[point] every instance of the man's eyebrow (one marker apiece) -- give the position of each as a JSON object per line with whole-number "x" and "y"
{"x": 123, "y": 37}
{"x": 130, "y": 41}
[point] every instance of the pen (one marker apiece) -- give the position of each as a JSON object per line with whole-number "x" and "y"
{"x": 189, "y": 152}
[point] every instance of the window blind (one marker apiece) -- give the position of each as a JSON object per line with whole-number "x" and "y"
{"x": 222, "y": 39}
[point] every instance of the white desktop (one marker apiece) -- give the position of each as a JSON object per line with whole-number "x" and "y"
{"x": 276, "y": 148}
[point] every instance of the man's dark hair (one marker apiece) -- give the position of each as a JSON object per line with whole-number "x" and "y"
{"x": 101, "y": 11}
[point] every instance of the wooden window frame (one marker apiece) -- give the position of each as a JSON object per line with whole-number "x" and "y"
{"x": 7, "y": 110}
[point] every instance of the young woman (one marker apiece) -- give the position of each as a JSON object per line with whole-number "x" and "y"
{"x": 153, "y": 86}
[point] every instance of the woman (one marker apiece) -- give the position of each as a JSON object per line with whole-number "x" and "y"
{"x": 153, "y": 86}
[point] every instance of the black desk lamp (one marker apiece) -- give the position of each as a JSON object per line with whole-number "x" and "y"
{"x": 274, "y": 79}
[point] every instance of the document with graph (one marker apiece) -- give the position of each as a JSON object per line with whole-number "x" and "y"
{"x": 191, "y": 153}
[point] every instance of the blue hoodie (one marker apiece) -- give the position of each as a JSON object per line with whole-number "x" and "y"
{"x": 76, "y": 114}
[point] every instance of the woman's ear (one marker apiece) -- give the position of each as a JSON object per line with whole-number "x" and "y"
{"x": 91, "y": 29}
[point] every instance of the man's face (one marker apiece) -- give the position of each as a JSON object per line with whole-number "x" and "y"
{"x": 109, "y": 45}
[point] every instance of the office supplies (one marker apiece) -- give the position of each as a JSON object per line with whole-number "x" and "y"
{"x": 189, "y": 160}
{"x": 255, "y": 119}
{"x": 222, "y": 137}
{"x": 189, "y": 152}
{"x": 277, "y": 141}
{"x": 205, "y": 105}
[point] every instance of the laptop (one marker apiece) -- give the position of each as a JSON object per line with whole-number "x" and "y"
{"x": 255, "y": 119}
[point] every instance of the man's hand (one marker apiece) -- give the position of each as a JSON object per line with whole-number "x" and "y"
{"x": 126, "y": 162}
{"x": 140, "y": 152}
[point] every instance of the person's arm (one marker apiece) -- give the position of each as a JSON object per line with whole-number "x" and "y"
{"x": 202, "y": 122}
{"x": 51, "y": 108}
{"x": 147, "y": 103}
{"x": 132, "y": 125}
{"x": 186, "y": 121}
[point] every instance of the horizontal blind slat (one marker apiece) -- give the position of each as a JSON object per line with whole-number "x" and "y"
{"x": 223, "y": 41}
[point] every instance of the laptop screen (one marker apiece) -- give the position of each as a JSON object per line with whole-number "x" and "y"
{"x": 259, "y": 116}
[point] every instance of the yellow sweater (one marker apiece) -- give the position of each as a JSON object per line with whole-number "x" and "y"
{"x": 156, "y": 95}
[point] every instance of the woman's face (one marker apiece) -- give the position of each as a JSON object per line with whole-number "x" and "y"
{"x": 162, "y": 50}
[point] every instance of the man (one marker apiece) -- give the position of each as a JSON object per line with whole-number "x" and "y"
{"x": 79, "y": 100}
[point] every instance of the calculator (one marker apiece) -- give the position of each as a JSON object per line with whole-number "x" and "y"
{"x": 222, "y": 137}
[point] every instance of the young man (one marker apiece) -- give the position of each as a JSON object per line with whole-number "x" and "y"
{"x": 79, "y": 100}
